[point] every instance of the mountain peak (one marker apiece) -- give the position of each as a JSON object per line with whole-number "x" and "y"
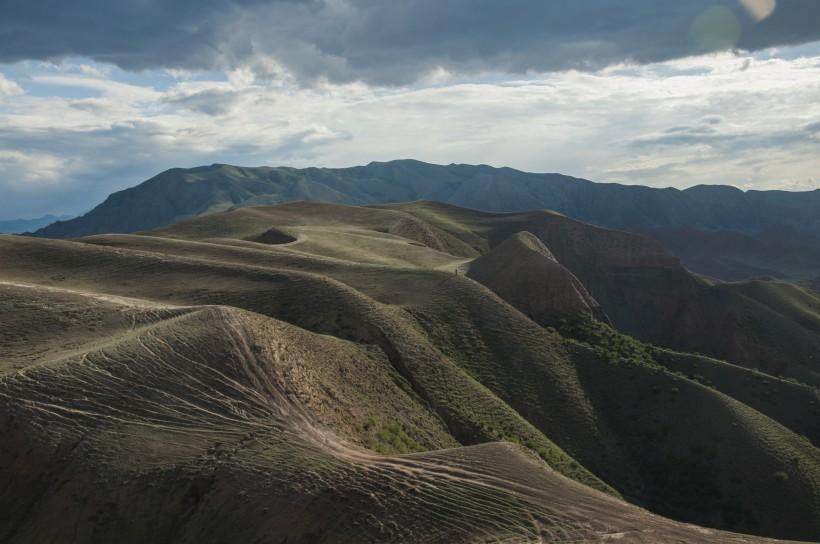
{"x": 525, "y": 273}
{"x": 527, "y": 241}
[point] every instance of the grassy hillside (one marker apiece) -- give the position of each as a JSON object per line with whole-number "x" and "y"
{"x": 334, "y": 365}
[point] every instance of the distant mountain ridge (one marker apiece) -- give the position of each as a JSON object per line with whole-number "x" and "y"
{"x": 15, "y": 226}
{"x": 179, "y": 193}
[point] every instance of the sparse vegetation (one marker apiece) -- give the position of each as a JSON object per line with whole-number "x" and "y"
{"x": 609, "y": 344}
{"x": 265, "y": 371}
{"x": 393, "y": 438}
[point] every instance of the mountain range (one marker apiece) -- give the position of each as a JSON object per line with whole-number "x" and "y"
{"x": 718, "y": 231}
{"x": 414, "y": 372}
{"x": 16, "y": 226}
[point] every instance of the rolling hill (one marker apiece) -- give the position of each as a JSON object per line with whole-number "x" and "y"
{"x": 415, "y": 372}
{"x": 750, "y": 223}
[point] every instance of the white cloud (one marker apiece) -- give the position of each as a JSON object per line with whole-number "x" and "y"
{"x": 9, "y": 87}
{"x": 98, "y": 82}
{"x": 808, "y": 184}
{"x": 32, "y": 171}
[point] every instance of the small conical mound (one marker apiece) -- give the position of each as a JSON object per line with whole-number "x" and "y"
{"x": 524, "y": 272}
{"x": 273, "y": 236}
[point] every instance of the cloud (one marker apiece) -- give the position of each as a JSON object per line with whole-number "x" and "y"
{"x": 219, "y": 100}
{"x": 8, "y": 87}
{"x": 396, "y": 42}
{"x": 32, "y": 170}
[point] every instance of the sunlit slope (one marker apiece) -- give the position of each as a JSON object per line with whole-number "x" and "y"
{"x": 309, "y": 300}
{"x": 208, "y": 423}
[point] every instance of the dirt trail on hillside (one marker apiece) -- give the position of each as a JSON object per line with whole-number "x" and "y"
{"x": 195, "y": 393}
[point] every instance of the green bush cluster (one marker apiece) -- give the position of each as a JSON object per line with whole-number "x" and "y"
{"x": 781, "y": 476}
{"x": 394, "y": 438}
{"x": 609, "y": 344}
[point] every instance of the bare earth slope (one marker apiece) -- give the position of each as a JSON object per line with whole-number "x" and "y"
{"x": 522, "y": 271}
{"x": 316, "y": 373}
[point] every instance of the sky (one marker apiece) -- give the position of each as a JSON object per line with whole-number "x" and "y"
{"x": 97, "y": 96}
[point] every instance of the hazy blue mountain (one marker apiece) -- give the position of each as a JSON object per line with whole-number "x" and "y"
{"x": 16, "y": 226}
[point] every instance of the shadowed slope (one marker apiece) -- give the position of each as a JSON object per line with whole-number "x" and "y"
{"x": 647, "y": 294}
{"x": 702, "y": 473}
{"x": 784, "y": 253}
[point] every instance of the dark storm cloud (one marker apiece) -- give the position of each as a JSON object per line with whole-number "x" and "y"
{"x": 210, "y": 102}
{"x": 391, "y": 41}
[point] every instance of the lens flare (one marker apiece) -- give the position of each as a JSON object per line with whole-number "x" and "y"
{"x": 759, "y": 9}
{"x": 716, "y": 29}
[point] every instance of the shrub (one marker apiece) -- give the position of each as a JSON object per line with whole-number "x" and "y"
{"x": 780, "y": 476}
{"x": 393, "y": 438}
